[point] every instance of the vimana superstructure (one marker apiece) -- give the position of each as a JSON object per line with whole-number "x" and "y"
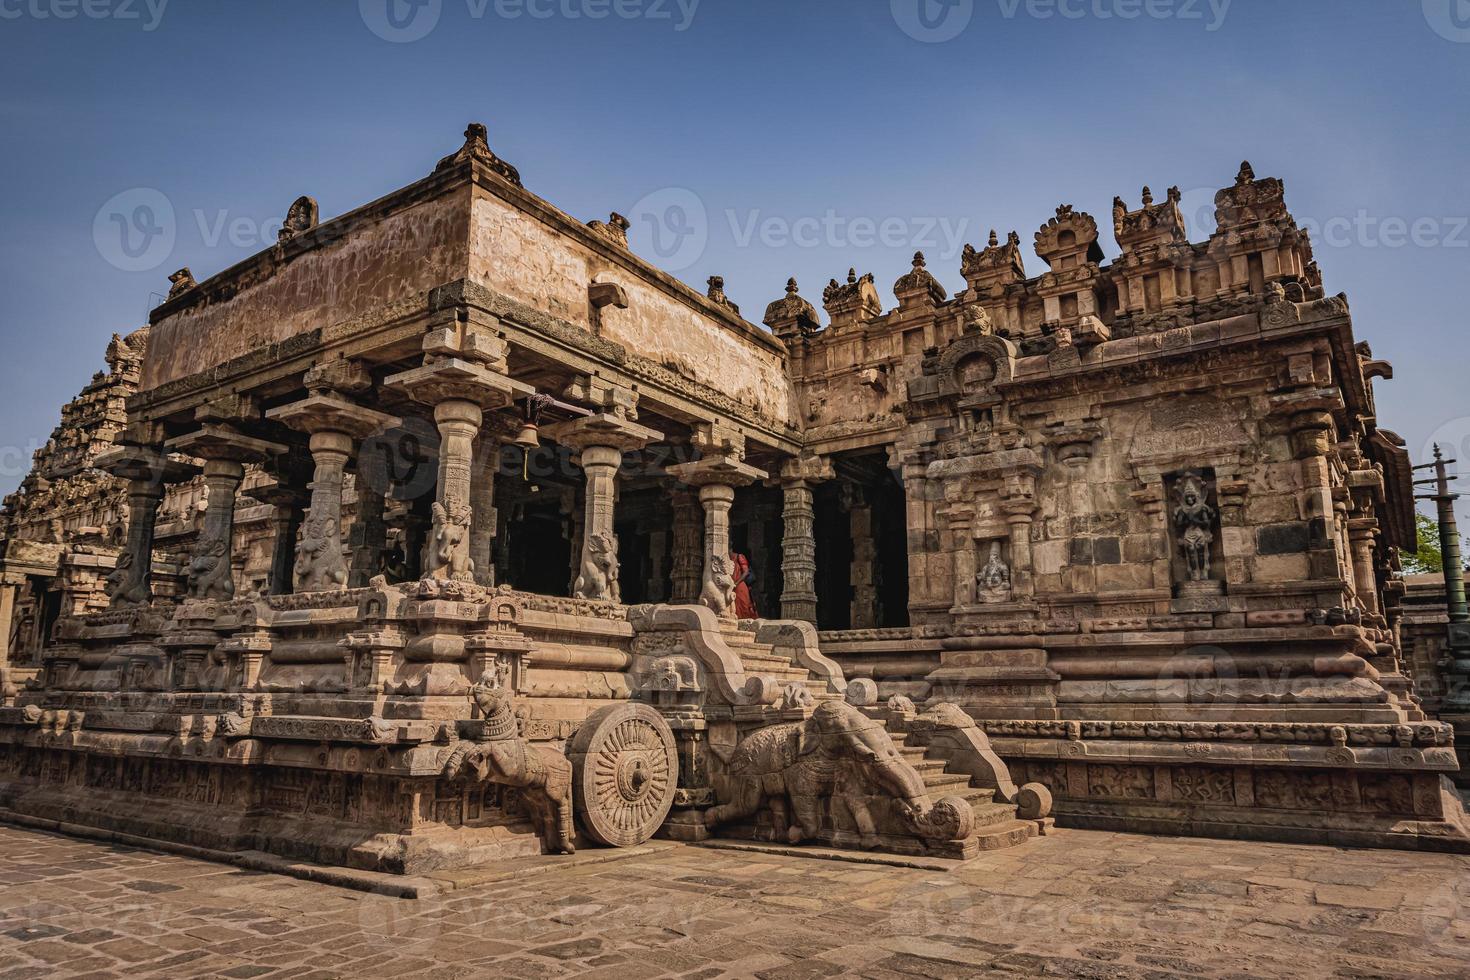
{"x": 415, "y": 540}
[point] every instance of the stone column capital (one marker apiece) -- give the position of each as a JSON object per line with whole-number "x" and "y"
{"x": 1362, "y": 525}
{"x": 716, "y": 492}
{"x": 146, "y": 464}
{"x": 325, "y": 412}
{"x": 223, "y": 471}
{"x": 805, "y": 470}
{"x": 215, "y": 442}
{"x": 445, "y": 379}
{"x": 603, "y": 429}
{"x": 716, "y": 470}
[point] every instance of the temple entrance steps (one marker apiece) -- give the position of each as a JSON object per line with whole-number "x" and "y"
{"x": 773, "y": 661}
{"x": 996, "y": 823}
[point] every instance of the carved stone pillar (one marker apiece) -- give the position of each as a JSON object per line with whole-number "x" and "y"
{"x": 10, "y": 584}
{"x": 482, "y": 500}
{"x": 210, "y": 572}
{"x": 333, "y": 423}
{"x": 717, "y": 474}
{"x": 862, "y": 573}
{"x": 657, "y": 560}
{"x": 600, "y": 441}
{"x": 148, "y": 472}
{"x": 287, "y": 504}
{"x": 415, "y": 541}
{"x": 449, "y": 551}
{"x": 930, "y": 569}
{"x": 688, "y": 551}
{"x": 320, "y": 564}
{"x": 224, "y": 451}
{"x": 1362, "y": 533}
{"x": 369, "y": 536}
{"x": 963, "y": 544}
{"x": 798, "y": 537}
{"x": 461, "y": 379}
{"x": 1019, "y": 516}
{"x": 716, "y": 499}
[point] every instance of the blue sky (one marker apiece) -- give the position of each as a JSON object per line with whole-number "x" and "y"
{"x": 770, "y": 139}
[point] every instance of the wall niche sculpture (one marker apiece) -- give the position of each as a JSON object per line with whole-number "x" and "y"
{"x": 1194, "y": 524}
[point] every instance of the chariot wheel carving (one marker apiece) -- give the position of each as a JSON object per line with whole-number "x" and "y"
{"x": 625, "y": 768}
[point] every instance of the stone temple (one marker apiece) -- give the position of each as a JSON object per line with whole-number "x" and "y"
{"x": 419, "y": 541}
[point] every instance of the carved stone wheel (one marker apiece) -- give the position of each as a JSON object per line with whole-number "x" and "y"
{"x": 625, "y": 768}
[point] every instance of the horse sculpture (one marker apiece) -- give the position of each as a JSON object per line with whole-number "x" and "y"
{"x": 543, "y": 775}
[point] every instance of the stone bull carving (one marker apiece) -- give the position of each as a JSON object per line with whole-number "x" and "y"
{"x": 543, "y": 775}
{"x": 838, "y": 755}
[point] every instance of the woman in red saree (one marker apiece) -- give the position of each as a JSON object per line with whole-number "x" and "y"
{"x": 744, "y": 607}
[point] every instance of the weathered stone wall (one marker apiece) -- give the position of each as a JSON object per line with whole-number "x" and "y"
{"x": 386, "y": 258}
{"x": 527, "y": 257}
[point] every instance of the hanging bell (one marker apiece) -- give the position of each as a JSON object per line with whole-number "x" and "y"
{"x": 527, "y": 438}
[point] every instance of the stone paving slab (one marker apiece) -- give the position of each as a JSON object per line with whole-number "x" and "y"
{"x": 1078, "y": 904}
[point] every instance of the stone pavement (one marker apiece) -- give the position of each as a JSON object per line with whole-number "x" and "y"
{"x": 1080, "y": 903}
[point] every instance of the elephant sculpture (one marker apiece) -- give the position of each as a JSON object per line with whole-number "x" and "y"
{"x": 837, "y": 754}
{"x": 543, "y": 775}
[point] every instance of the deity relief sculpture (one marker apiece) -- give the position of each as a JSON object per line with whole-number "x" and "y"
{"x": 994, "y": 579}
{"x": 542, "y": 775}
{"x": 719, "y": 585}
{"x": 838, "y": 756}
{"x": 319, "y": 563}
{"x": 450, "y": 550}
{"x": 599, "y": 576}
{"x": 1194, "y": 521}
{"x": 209, "y": 572}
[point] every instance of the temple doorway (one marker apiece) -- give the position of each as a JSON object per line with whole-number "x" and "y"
{"x": 862, "y": 579}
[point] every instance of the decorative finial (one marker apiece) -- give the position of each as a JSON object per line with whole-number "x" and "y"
{"x": 1246, "y": 174}
{"x": 1148, "y": 196}
{"x": 918, "y": 260}
{"x": 791, "y": 287}
{"x": 181, "y": 282}
{"x": 476, "y": 133}
{"x": 994, "y": 240}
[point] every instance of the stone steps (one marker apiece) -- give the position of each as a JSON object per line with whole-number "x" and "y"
{"x": 996, "y": 822}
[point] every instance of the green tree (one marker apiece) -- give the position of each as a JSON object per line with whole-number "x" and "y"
{"x": 1428, "y": 557}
